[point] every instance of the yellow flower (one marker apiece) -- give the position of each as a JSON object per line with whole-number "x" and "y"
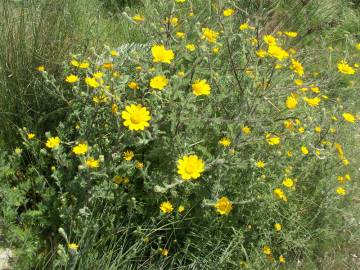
{"x": 92, "y": 163}
{"x": 304, "y": 89}
{"x": 304, "y": 150}
{"x": 317, "y": 129}
{"x": 133, "y": 85}
{"x": 357, "y": 46}
{"x": 166, "y": 207}
{"x": 53, "y": 142}
{"x": 100, "y": 99}
{"x": 173, "y": 21}
{"x": 139, "y": 165}
{"x": 201, "y": 87}
{"x": 269, "y": 39}
{"x": 30, "y": 136}
{"x": 216, "y": 50}
{"x": 340, "y": 150}
{"x": 190, "y": 47}
{"x": 288, "y": 182}
{"x": 190, "y": 167}
{"x": 72, "y": 78}
{"x": 298, "y": 82}
{"x": 41, "y": 68}
{"x": 272, "y": 139}
{"x": 279, "y": 193}
{"x": 225, "y": 142}
{"x": 278, "y": 227}
{"x": 267, "y": 250}
{"x": 282, "y": 259}
{"x": 312, "y": 102}
{"x": 349, "y": 117}
{"x": 254, "y": 41}
{"x": 341, "y": 179}
{"x": 120, "y": 180}
{"x": 297, "y": 67}
{"x": 249, "y": 72}
{"x": 73, "y": 246}
{"x": 181, "y": 74}
{"x": 80, "y": 149}
{"x": 209, "y": 34}
{"x": 108, "y": 65}
{"x": 114, "y": 53}
{"x": 161, "y": 54}
{"x": 136, "y": 117}
{"x": 84, "y": 65}
{"x": 92, "y": 82}
{"x": 245, "y": 26}
{"x": 74, "y": 63}
{"x": 291, "y": 102}
{"x": 159, "y": 82}
{"x": 164, "y": 252}
{"x": 291, "y": 34}
{"x": 138, "y": 18}
{"x": 277, "y": 52}
{"x": 128, "y": 155}
{"x": 180, "y": 34}
{"x": 114, "y": 108}
{"x": 288, "y": 124}
{"x": 341, "y": 191}
{"x": 223, "y": 206}
{"x": 246, "y": 130}
{"x": 181, "y": 209}
{"x": 260, "y": 164}
{"x": 261, "y": 53}
{"x": 98, "y": 75}
{"x": 18, "y": 151}
{"x": 345, "y": 68}
{"x": 228, "y": 12}
{"x": 345, "y": 162}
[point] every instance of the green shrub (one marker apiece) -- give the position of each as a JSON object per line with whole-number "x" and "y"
{"x": 212, "y": 148}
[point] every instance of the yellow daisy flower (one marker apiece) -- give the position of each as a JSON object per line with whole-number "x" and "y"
{"x": 136, "y": 117}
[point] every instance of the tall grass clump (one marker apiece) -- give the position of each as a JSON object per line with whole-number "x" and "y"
{"x": 120, "y": 5}
{"x": 218, "y": 143}
{"x": 40, "y": 35}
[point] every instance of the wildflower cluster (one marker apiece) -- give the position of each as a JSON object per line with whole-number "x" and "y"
{"x": 211, "y": 120}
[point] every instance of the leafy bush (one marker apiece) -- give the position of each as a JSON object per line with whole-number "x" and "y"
{"x": 211, "y": 147}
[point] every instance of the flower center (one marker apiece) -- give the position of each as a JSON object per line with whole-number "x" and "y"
{"x": 222, "y": 206}
{"x": 190, "y": 168}
{"x": 136, "y": 117}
